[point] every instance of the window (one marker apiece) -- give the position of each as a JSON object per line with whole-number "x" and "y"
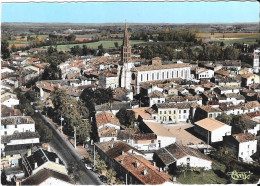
{"x": 184, "y": 111}
{"x": 160, "y": 112}
{"x": 167, "y": 75}
{"x": 15, "y": 126}
{"x": 164, "y": 112}
{"x": 170, "y": 112}
{"x": 248, "y": 146}
{"x": 159, "y": 101}
{"x": 158, "y": 75}
{"x": 163, "y": 75}
{"x": 210, "y": 115}
{"x": 152, "y": 76}
{"x": 179, "y": 116}
{"x": 5, "y": 132}
{"x": 152, "y": 141}
{"x": 5, "y": 126}
{"x": 147, "y": 77}
{"x": 174, "y": 112}
{"x": 141, "y": 77}
{"x": 252, "y": 151}
{"x": 241, "y": 153}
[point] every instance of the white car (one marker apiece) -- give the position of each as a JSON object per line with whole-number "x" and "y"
{"x": 88, "y": 166}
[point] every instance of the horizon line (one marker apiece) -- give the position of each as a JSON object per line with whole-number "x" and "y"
{"x": 137, "y": 23}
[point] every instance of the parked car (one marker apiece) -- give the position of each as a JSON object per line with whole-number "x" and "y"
{"x": 103, "y": 178}
{"x": 88, "y": 163}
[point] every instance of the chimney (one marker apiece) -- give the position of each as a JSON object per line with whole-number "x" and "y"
{"x": 137, "y": 164}
{"x": 160, "y": 169}
{"x": 35, "y": 165}
{"x": 121, "y": 161}
{"x": 57, "y": 160}
{"x": 49, "y": 148}
{"x": 112, "y": 146}
{"x": 123, "y": 152}
{"x": 145, "y": 172}
{"x": 17, "y": 183}
{"x": 174, "y": 179}
{"x": 154, "y": 164}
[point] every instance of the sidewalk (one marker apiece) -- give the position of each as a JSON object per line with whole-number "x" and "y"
{"x": 80, "y": 149}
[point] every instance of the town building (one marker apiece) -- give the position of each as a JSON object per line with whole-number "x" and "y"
{"x": 243, "y": 145}
{"x": 176, "y": 155}
{"x": 212, "y": 130}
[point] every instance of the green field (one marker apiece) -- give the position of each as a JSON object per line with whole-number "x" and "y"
{"x": 17, "y": 42}
{"x": 247, "y": 40}
{"x": 106, "y": 44}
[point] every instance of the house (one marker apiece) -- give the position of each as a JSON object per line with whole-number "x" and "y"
{"x": 10, "y": 111}
{"x": 108, "y": 80}
{"x": 142, "y": 142}
{"x": 107, "y": 124}
{"x": 130, "y": 164}
{"x": 212, "y": 130}
{"x": 202, "y": 73}
{"x": 12, "y": 124}
{"x": 48, "y": 177}
{"x": 164, "y": 137}
{"x": 9, "y": 101}
{"x": 243, "y": 145}
{"x": 227, "y": 90}
{"x": 43, "y": 159}
{"x": 249, "y": 79}
{"x": 206, "y": 112}
{"x": 176, "y": 155}
{"x": 156, "y": 97}
{"x": 17, "y": 136}
{"x": 175, "y": 112}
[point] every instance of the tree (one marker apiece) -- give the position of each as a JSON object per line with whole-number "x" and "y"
{"x": 51, "y": 72}
{"x": 101, "y": 50}
{"x": 126, "y": 117}
{"x": 3, "y": 178}
{"x": 238, "y": 124}
{"x": 101, "y": 165}
{"x": 4, "y": 49}
{"x": 224, "y": 118}
{"x": 110, "y": 175}
{"x": 116, "y": 44}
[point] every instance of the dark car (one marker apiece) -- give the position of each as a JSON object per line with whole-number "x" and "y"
{"x": 103, "y": 178}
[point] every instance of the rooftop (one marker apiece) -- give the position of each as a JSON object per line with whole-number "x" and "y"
{"x": 16, "y": 120}
{"x": 210, "y": 124}
{"x": 159, "y": 130}
{"x": 19, "y": 135}
{"x": 104, "y": 117}
{"x": 159, "y": 67}
{"x": 243, "y": 137}
{"x": 43, "y": 175}
{"x": 173, "y": 152}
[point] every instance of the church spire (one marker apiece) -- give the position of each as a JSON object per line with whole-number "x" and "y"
{"x": 126, "y": 47}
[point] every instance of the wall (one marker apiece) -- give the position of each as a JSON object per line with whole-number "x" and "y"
{"x": 217, "y": 135}
{"x": 10, "y": 129}
{"x": 247, "y": 149}
{"x": 195, "y": 162}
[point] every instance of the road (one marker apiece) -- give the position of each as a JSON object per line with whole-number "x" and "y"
{"x": 65, "y": 150}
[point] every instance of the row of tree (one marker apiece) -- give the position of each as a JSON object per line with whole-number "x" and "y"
{"x": 211, "y": 52}
{"x": 74, "y": 113}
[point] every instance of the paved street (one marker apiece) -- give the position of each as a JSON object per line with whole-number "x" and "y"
{"x": 66, "y": 151}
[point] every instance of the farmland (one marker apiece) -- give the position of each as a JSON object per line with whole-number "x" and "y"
{"x": 106, "y": 44}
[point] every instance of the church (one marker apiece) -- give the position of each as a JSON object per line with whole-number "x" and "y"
{"x": 130, "y": 77}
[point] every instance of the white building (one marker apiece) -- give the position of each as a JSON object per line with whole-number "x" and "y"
{"x": 256, "y": 60}
{"x": 9, "y": 101}
{"x": 243, "y": 145}
{"x": 164, "y": 137}
{"x": 203, "y": 73}
{"x": 12, "y": 124}
{"x": 156, "y": 97}
{"x": 108, "y": 80}
{"x": 181, "y": 155}
{"x": 212, "y": 130}
{"x": 130, "y": 77}
{"x": 107, "y": 126}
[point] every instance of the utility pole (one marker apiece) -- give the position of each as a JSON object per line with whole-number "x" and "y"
{"x": 94, "y": 155}
{"x": 75, "y": 131}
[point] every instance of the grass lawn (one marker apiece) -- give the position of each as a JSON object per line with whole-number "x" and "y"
{"x": 106, "y": 44}
{"x": 247, "y": 40}
{"x": 214, "y": 176}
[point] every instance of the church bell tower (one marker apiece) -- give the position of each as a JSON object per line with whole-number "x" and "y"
{"x": 125, "y": 64}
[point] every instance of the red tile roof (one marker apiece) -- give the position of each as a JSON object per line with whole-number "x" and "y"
{"x": 104, "y": 117}
{"x": 243, "y": 137}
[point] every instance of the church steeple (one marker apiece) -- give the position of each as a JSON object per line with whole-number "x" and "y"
{"x": 126, "y": 48}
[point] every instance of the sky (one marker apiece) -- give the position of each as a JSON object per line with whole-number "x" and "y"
{"x": 132, "y": 12}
